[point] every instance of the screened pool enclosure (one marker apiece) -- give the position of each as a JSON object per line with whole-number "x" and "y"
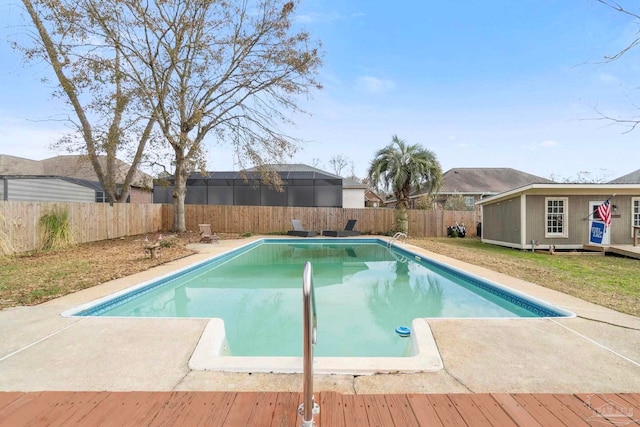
{"x": 303, "y": 186}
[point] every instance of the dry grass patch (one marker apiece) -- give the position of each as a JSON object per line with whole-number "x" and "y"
{"x": 33, "y": 278}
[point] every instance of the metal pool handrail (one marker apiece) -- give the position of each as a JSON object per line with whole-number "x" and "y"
{"x": 399, "y": 235}
{"x": 308, "y": 408}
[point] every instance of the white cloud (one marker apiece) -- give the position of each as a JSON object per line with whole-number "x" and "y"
{"x": 318, "y": 17}
{"x": 24, "y": 138}
{"x": 548, "y": 143}
{"x": 312, "y": 18}
{"x": 375, "y": 85}
{"x": 608, "y": 78}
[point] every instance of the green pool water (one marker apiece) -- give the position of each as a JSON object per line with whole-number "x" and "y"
{"x": 363, "y": 292}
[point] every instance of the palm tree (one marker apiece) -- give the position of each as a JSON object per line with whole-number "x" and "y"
{"x": 400, "y": 167}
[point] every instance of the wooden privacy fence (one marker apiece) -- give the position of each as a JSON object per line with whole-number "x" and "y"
{"x": 277, "y": 219}
{"x": 20, "y": 230}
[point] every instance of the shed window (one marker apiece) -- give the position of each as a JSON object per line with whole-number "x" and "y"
{"x": 635, "y": 213}
{"x": 556, "y": 217}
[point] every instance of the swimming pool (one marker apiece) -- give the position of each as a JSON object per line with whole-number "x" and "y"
{"x": 364, "y": 291}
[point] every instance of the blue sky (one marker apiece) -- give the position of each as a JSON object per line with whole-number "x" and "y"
{"x": 480, "y": 83}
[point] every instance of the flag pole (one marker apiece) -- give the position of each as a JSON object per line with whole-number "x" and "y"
{"x": 594, "y": 211}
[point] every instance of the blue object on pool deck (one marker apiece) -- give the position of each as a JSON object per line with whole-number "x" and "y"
{"x": 403, "y": 331}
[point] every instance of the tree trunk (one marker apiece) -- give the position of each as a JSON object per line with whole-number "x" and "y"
{"x": 179, "y": 192}
{"x": 402, "y": 217}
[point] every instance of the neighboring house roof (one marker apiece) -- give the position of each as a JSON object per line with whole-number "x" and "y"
{"x": 481, "y": 181}
{"x": 558, "y": 189}
{"x": 12, "y": 165}
{"x": 630, "y": 178}
{"x": 71, "y": 166}
{"x": 79, "y": 166}
{"x": 353, "y": 183}
{"x": 371, "y": 195}
{"x": 486, "y": 181}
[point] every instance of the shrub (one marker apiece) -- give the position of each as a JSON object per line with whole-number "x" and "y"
{"x": 425, "y": 202}
{"x": 457, "y": 202}
{"x": 167, "y": 243}
{"x": 56, "y": 232}
{"x": 6, "y": 248}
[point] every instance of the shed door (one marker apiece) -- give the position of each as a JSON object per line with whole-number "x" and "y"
{"x": 594, "y": 217}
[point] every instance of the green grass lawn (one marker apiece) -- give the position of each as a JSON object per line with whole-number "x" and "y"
{"x": 610, "y": 281}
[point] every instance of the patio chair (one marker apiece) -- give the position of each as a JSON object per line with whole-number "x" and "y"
{"x": 348, "y": 230}
{"x": 298, "y": 230}
{"x": 206, "y": 236}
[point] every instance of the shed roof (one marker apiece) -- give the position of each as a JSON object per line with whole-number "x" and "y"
{"x": 630, "y": 178}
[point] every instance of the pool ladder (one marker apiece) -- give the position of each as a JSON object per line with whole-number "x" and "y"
{"x": 399, "y": 235}
{"x": 308, "y": 408}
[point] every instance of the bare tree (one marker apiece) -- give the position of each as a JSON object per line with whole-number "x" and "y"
{"x": 234, "y": 70}
{"x": 630, "y": 123}
{"x": 636, "y": 15}
{"x": 91, "y": 79}
{"x": 585, "y": 177}
{"x": 339, "y": 163}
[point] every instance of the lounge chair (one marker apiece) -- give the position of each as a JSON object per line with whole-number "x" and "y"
{"x": 348, "y": 230}
{"x": 298, "y": 230}
{"x": 206, "y": 236}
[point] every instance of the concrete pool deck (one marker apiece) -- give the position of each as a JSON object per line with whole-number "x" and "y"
{"x": 598, "y": 351}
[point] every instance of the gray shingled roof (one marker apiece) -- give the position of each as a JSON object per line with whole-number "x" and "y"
{"x": 351, "y": 182}
{"x": 486, "y": 180}
{"x": 286, "y": 171}
{"x": 285, "y": 168}
{"x": 630, "y": 178}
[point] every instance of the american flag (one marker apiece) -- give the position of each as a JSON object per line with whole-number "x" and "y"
{"x": 604, "y": 212}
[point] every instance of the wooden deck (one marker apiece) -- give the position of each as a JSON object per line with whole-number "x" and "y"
{"x": 336, "y": 410}
{"x": 625, "y": 250}
{"x": 628, "y": 251}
